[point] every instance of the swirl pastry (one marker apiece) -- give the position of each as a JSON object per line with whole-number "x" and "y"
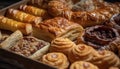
{"x": 34, "y": 11}
{"x": 100, "y": 37}
{"x": 57, "y": 27}
{"x": 63, "y": 45}
{"x": 83, "y": 65}
{"x": 106, "y": 59}
{"x": 55, "y": 59}
{"x": 12, "y": 25}
{"x": 23, "y": 17}
{"x": 81, "y": 52}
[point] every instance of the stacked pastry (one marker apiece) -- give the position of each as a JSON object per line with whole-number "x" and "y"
{"x": 57, "y": 27}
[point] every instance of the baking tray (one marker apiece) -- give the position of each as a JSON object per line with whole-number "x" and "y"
{"x": 9, "y": 60}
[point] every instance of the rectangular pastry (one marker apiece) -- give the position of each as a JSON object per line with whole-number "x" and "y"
{"x": 57, "y": 27}
{"x": 12, "y": 25}
{"x": 30, "y": 47}
{"x": 23, "y": 17}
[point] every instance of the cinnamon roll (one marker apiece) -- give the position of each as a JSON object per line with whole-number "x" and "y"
{"x": 100, "y": 37}
{"x": 106, "y": 59}
{"x": 12, "y": 25}
{"x": 63, "y": 45}
{"x": 81, "y": 52}
{"x": 55, "y": 59}
{"x": 23, "y": 17}
{"x": 83, "y": 65}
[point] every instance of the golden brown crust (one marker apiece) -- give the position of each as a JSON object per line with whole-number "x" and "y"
{"x": 83, "y": 65}
{"x": 55, "y": 59}
{"x": 63, "y": 45}
{"x": 81, "y": 52}
{"x": 23, "y": 17}
{"x": 12, "y": 25}
{"x": 57, "y": 27}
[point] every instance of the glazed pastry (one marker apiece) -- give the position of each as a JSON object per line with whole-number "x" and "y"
{"x": 81, "y": 52}
{"x": 30, "y": 47}
{"x": 12, "y": 25}
{"x": 56, "y": 59}
{"x": 11, "y": 40}
{"x": 83, "y": 65}
{"x": 34, "y": 11}
{"x": 23, "y": 17}
{"x": 100, "y": 37}
{"x": 57, "y": 27}
{"x": 63, "y": 45}
{"x": 114, "y": 22}
{"x": 106, "y": 59}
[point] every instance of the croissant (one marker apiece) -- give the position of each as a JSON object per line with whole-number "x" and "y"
{"x": 56, "y": 59}
{"x": 83, "y": 65}
{"x": 34, "y": 11}
{"x": 12, "y": 25}
{"x": 81, "y": 52}
{"x": 57, "y": 27}
{"x": 100, "y": 37}
{"x": 23, "y": 17}
{"x": 63, "y": 45}
{"x": 106, "y": 59}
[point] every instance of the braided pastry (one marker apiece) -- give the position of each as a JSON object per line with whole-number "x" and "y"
{"x": 23, "y": 17}
{"x": 83, "y": 65}
{"x": 55, "y": 59}
{"x": 12, "y": 25}
{"x": 63, "y": 45}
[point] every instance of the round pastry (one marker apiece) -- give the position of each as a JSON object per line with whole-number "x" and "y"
{"x": 55, "y": 59}
{"x": 105, "y": 59}
{"x": 81, "y": 52}
{"x": 83, "y": 65}
{"x": 100, "y": 37}
{"x": 63, "y": 45}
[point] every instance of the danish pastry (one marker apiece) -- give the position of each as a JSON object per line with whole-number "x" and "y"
{"x": 56, "y": 59}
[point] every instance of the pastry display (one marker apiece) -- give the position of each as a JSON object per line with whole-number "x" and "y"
{"x": 56, "y": 59}
{"x": 100, "y": 37}
{"x": 81, "y": 52}
{"x": 23, "y": 17}
{"x": 65, "y": 34}
{"x": 106, "y": 59}
{"x": 63, "y": 45}
{"x": 83, "y": 65}
{"x": 34, "y": 11}
{"x": 28, "y": 46}
{"x": 12, "y": 25}
{"x": 57, "y": 27}
{"x": 84, "y": 18}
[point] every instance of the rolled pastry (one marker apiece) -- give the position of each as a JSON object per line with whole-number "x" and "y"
{"x": 106, "y": 59}
{"x": 11, "y": 40}
{"x": 56, "y": 59}
{"x": 83, "y": 65}
{"x": 63, "y": 45}
{"x": 23, "y": 17}
{"x": 100, "y": 37}
{"x": 12, "y": 25}
{"x": 34, "y": 11}
{"x": 57, "y": 27}
{"x": 81, "y": 52}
